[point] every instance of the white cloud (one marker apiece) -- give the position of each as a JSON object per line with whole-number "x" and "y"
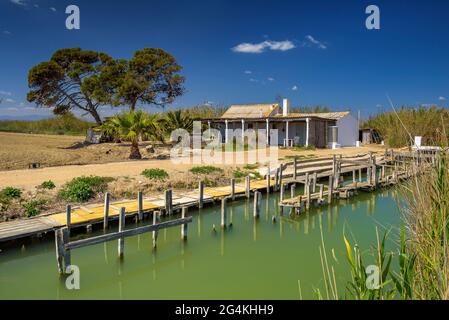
{"x": 6, "y": 32}
{"x": 270, "y": 79}
{"x": 315, "y": 42}
{"x": 247, "y": 47}
{"x": 441, "y": 98}
{"x": 295, "y": 88}
{"x": 248, "y": 72}
{"x": 30, "y": 108}
{"x": 10, "y": 100}
{"x": 19, "y": 2}
{"x": 53, "y": 9}
{"x": 36, "y": 5}
{"x": 253, "y": 80}
{"x": 5, "y": 93}
{"x": 13, "y": 109}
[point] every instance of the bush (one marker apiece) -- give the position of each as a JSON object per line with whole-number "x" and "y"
{"x": 32, "y": 208}
{"x": 48, "y": 185}
{"x": 10, "y": 192}
{"x": 205, "y": 170}
{"x": 156, "y": 174}
{"x": 84, "y": 188}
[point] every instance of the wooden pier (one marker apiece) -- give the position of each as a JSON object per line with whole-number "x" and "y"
{"x": 320, "y": 177}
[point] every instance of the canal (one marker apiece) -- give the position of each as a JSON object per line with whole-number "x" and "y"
{"x": 252, "y": 259}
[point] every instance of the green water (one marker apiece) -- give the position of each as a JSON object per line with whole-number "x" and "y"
{"x": 253, "y": 259}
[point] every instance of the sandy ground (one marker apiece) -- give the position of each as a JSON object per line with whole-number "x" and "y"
{"x": 64, "y": 158}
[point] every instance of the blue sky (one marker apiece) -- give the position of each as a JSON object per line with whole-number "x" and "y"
{"x": 314, "y": 53}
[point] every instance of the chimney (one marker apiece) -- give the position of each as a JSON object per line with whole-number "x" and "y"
{"x": 284, "y": 107}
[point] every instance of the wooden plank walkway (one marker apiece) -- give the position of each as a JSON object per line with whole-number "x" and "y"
{"x": 88, "y": 215}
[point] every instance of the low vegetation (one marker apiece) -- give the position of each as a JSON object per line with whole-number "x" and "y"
{"x": 61, "y": 124}
{"x": 84, "y": 188}
{"x": 10, "y": 192}
{"x": 398, "y": 129}
{"x": 155, "y": 174}
{"x": 48, "y": 185}
{"x": 205, "y": 169}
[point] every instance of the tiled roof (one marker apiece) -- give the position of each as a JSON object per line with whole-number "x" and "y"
{"x": 248, "y": 111}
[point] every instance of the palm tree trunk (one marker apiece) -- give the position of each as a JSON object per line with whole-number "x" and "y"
{"x": 135, "y": 152}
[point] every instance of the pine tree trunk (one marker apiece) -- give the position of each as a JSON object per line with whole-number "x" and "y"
{"x": 135, "y": 152}
{"x": 96, "y": 116}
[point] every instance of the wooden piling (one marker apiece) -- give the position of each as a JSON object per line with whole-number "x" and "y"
{"x": 66, "y": 252}
{"x": 256, "y": 208}
{"x": 106, "y": 211}
{"x": 353, "y": 176}
{"x": 59, "y": 243}
{"x": 121, "y": 227}
{"x": 201, "y": 194}
{"x": 268, "y": 180}
{"x": 276, "y": 180}
{"x": 168, "y": 202}
{"x": 330, "y": 189}
{"x": 295, "y": 165}
{"x": 140, "y": 204}
{"x": 155, "y": 232}
{"x": 360, "y": 174}
{"x": 184, "y": 226}
{"x": 315, "y": 177}
{"x": 68, "y": 217}
{"x": 321, "y": 193}
{"x": 247, "y": 186}
{"x": 224, "y": 212}
{"x": 233, "y": 188}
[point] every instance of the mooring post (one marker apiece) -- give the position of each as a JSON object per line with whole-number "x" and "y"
{"x": 224, "y": 212}
{"x": 168, "y": 202}
{"x": 321, "y": 192}
{"x": 247, "y": 186}
{"x": 69, "y": 217}
{"x": 334, "y": 162}
{"x": 268, "y": 180}
{"x": 315, "y": 177}
{"x": 281, "y": 193}
{"x": 121, "y": 227}
{"x": 276, "y": 180}
{"x": 295, "y": 164}
{"x": 184, "y": 226}
{"x": 59, "y": 243}
{"x": 67, "y": 254}
{"x": 369, "y": 175}
{"x": 256, "y": 209}
{"x": 155, "y": 232}
{"x": 281, "y": 173}
{"x": 292, "y": 190}
{"x": 140, "y": 203}
{"x": 233, "y": 188}
{"x": 383, "y": 172}
{"x": 106, "y": 211}
{"x": 201, "y": 194}
{"x": 330, "y": 189}
{"x": 306, "y": 182}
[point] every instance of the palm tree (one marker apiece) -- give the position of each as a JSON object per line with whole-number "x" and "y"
{"x": 177, "y": 119}
{"x": 132, "y": 126}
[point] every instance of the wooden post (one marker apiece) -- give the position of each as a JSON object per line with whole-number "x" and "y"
{"x": 268, "y": 180}
{"x": 184, "y": 226}
{"x": 247, "y": 187}
{"x": 67, "y": 254}
{"x": 330, "y": 189}
{"x": 306, "y": 182}
{"x": 233, "y": 188}
{"x": 276, "y": 180}
{"x": 106, "y": 211}
{"x": 140, "y": 203}
{"x": 59, "y": 243}
{"x": 369, "y": 175}
{"x": 295, "y": 164}
{"x": 383, "y": 172}
{"x": 309, "y": 194}
{"x": 201, "y": 194}
{"x": 69, "y": 217}
{"x": 375, "y": 176}
{"x": 281, "y": 173}
{"x": 337, "y": 174}
{"x": 334, "y": 162}
{"x": 353, "y": 176}
{"x": 224, "y": 212}
{"x": 121, "y": 227}
{"x": 256, "y": 209}
{"x": 315, "y": 177}
{"x": 321, "y": 192}
{"x": 281, "y": 193}
{"x": 168, "y": 202}
{"x": 292, "y": 190}
{"x": 155, "y": 232}
{"x": 360, "y": 174}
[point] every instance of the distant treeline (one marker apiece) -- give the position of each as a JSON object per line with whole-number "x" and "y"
{"x": 69, "y": 124}
{"x": 430, "y": 123}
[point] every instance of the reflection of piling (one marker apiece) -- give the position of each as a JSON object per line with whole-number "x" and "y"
{"x": 121, "y": 227}
{"x": 184, "y": 226}
{"x": 201, "y": 194}
{"x": 247, "y": 186}
{"x": 106, "y": 211}
{"x": 233, "y": 188}
{"x": 257, "y": 200}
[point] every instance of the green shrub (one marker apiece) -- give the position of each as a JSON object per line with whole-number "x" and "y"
{"x": 239, "y": 174}
{"x": 251, "y": 166}
{"x": 205, "y": 170}
{"x": 32, "y": 208}
{"x": 155, "y": 174}
{"x": 48, "y": 185}
{"x": 84, "y": 188}
{"x": 11, "y": 192}
{"x": 303, "y": 148}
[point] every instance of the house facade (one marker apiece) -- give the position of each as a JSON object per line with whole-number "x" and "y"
{"x": 322, "y": 130}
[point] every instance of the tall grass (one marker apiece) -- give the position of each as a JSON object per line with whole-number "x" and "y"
{"x": 418, "y": 121}
{"x": 63, "y": 124}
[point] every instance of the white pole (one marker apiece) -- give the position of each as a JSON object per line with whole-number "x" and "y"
{"x": 307, "y": 131}
{"x": 268, "y": 132}
{"x": 226, "y": 131}
{"x": 286, "y": 134}
{"x": 243, "y": 132}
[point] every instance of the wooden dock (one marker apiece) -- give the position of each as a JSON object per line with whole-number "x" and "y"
{"x": 306, "y": 172}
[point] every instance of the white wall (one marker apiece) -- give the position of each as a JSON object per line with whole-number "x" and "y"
{"x": 348, "y": 131}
